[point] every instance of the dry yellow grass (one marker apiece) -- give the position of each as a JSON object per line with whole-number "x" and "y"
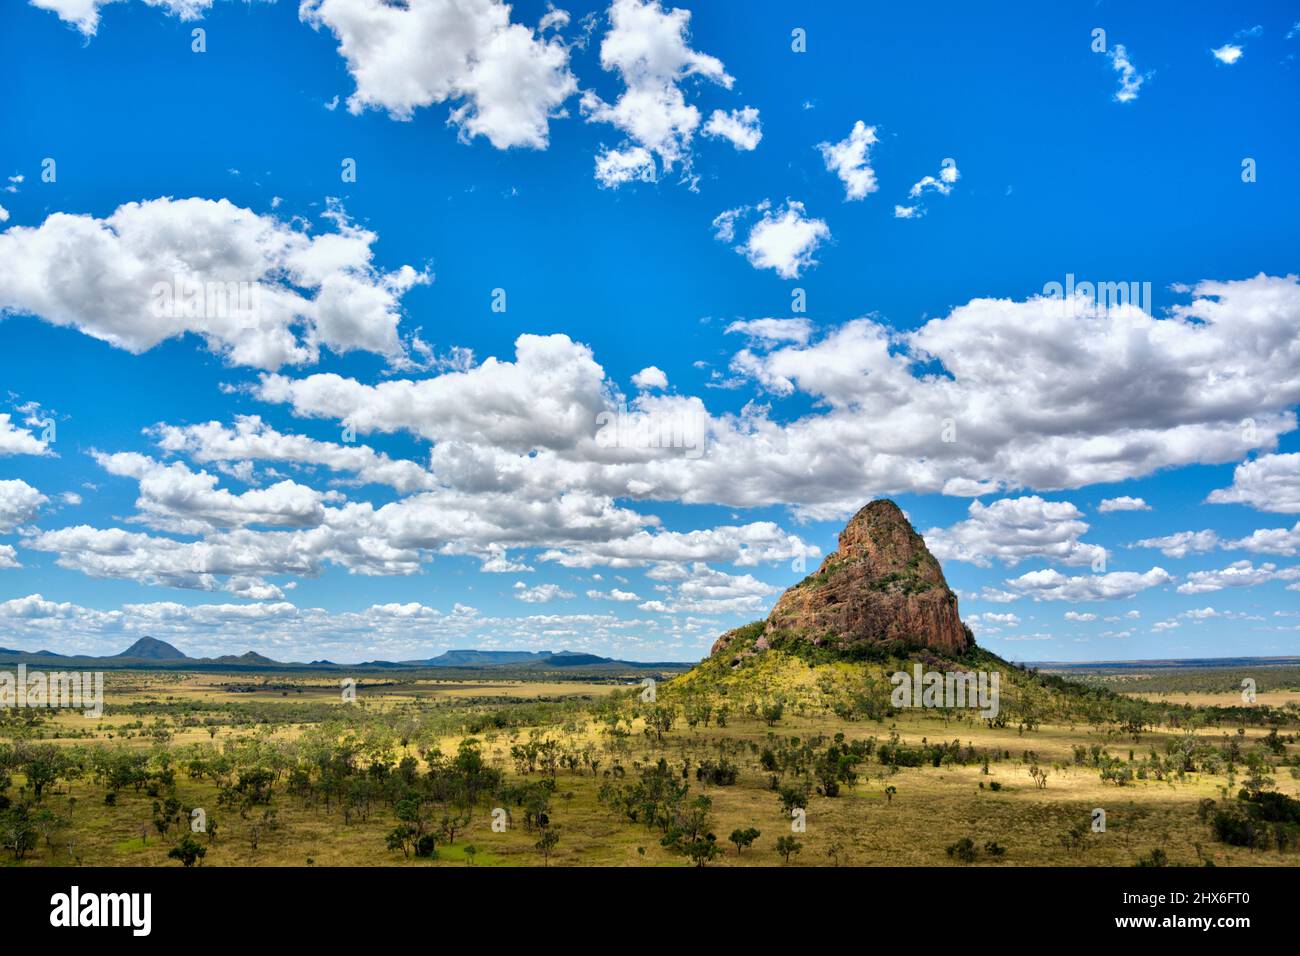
{"x": 931, "y": 809}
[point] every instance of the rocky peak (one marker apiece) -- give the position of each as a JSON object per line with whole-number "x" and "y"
{"x": 881, "y": 588}
{"x": 881, "y": 536}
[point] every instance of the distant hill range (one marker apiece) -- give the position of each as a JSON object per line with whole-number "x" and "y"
{"x": 1168, "y": 663}
{"x": 149, "y": 652}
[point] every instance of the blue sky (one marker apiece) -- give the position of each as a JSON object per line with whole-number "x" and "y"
{"x": 478, "y": 148}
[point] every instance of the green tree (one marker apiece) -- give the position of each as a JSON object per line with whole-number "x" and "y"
{"x": 834, "y": 851}
{"x": 1156, "y": 857}
{"x": 1257, "y": 773}
{"x": 41, "y": 764}
{"x": 17, "y": 832}
{"x": 690, "y": 833}
{"x": 744, "y": 838}
{"x": 1075, "y": 839}
{"x": 794, "y": 797}
{"x": 550, "y": 837}
{"x": 659, "y": 720}
{"x": 964, "y": 850}
{"x": 788, "y": 846}
{"x": 48, "y": 824}
{"x": 772, "y": 712}
{"x": 189, "y": 851}
{"x": 402, "y": 837}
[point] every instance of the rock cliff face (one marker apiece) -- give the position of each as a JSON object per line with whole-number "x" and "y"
{"x": 881, "y": 588}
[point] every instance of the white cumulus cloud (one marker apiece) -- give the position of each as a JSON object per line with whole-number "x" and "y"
{"x": 1130, "y": 80}
{"x": 19, "y": 503}
{"x": 505, "y": 82}
{"x": 650, "y": 377}
{"x": 257, "y": 290}
{"x": 739, "y": 127}
{"x": 1123, "y": 503}
{"x": 1052, "y": 585}
{"x": 1229, "y": 53}
{"x": 649, "y": 49}
{"x": 541, "y": 593}
{"x": 783, "y": 239}
{"x": 1012, "y": 530}
{"x": 849, "y": 159}
{"x": 1266, "y": 483}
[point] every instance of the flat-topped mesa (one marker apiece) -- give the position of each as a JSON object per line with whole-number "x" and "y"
{"x": 881, "y": 588}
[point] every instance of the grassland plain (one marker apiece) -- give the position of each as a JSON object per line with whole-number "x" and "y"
{"x": 592, "y": 772}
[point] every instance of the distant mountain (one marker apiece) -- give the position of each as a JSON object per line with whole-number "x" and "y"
{"x": 568, "y": 659}
{"x": 151, "y": 649}
{"x": 248, "y": 657}
{"x": 149, "y": 652}
{"x": 472, "y": 658}
{"x": 533, "y": 660}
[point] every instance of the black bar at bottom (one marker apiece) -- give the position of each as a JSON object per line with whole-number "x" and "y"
{"x": 334, "y": 905}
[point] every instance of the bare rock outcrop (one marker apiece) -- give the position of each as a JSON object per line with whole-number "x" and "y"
{"x": 881, "y": 589}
